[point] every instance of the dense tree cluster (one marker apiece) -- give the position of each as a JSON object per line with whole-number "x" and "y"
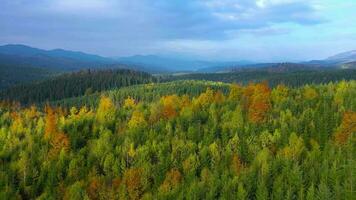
{"x": 11, "y": 75}
{"x": 289, "y": 77}
{"x": 245, "y": 142}
{"x": 147, "y": 92}
{"x": 75, "y": 84}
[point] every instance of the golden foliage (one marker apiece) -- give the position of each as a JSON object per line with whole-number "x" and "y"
{"x": 206, "y": 98}
{"x": 172, "y": 180}
{"x": 309, "y": 93}
{"x": 279, "y": 94}
{"x": 137, "y": 120}
{"x": 219, "y": 97}
{"x": 236, "y": 164}
{"x": 51, "y": 124}
{"x": 295, "y": 147}
{"x": 347, "y": 127}
{"x": 133, "y": 181}
{"x": 129, "y": 102}
{"x": 106, "y": 110}
{"x": 171, "y": 104}
{"x": 58, "y": 142}
{"x": 93, "y": 188}
{"x": 236, "y": 91}
{"x": 258, "y": 101}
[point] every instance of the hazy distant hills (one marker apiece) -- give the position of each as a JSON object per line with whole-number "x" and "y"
{"x": 21, "y": 64}
{"x": 64, "y": 60}
{"x": 26, "y": 51}
{"x": 345, "y": 57}
{"x": 173, "y": 64}
{"x": 58, "y": 59}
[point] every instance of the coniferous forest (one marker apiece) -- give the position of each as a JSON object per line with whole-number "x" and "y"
{"x": 177, "y": 100}
{"x": 184, "y": 140}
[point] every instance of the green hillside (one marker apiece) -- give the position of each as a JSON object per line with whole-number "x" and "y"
{"x": 293, "y": 78}
{"x": 11, "y": 75}
{"x": 74, "y": 84}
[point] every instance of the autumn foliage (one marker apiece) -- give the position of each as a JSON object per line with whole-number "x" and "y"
{"x": 347, "y": 128}
{"x": 132, "y": 179}
{"x": 172, "y": 180}
{"x": 220, "y": 141}
{"x": 51, "y": 124}
{"x": 258, "y": 102}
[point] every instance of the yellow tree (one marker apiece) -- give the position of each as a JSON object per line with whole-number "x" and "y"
{"x": 106, "y": 110}
{"x": 279, "y": 94}
{"x": 219, "y": 97}
{"x": 309, "y": 93}
{"x": 133, "y": 181}
{"x": 129, "y": 102}
{"x": 236, "y": 91}
{"x": 137, "y": 120}
{"x": 171, "y": 104}
{"x": 259, "y": 102}
{"x": 347, "y": 127}
{"x": 59, "y": 141}
{"x": 172, "y": 180}
{"x": 50, "y": 123}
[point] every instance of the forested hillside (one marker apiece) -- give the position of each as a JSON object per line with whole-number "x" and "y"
{"x": 74, "y": 84}
{"x": 147, "y": 92}
{"x": 293, "y": 77}
{"x": 12, "y": 75}
{"x": 225, "y": 142}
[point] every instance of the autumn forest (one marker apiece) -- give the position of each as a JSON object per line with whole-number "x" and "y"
{"x": 184, "y": 140}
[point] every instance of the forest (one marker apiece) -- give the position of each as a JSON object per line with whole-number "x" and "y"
{"x": 84, "y": 82}
{"x": 183, "y": 140}
{"x": 288, "y": 75}
{"x": 11, "y": 75}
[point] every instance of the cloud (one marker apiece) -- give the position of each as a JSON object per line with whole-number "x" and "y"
{"x": 117, "y": 27}
{"x": 176, "y": 19}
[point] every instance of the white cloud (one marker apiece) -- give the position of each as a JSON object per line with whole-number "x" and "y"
{"x": 267, "y": 3}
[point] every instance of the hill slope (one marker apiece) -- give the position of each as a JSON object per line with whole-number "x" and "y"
{"x": 250, "y": 142}
{"x": 74, "y": 84}
{"x": 291, "y": 77}
{"x": 12, "y": 75}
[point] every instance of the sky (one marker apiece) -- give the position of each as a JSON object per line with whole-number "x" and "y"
{"x": 256, "y": 30}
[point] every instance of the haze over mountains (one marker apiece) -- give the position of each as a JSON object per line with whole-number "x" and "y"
{"x": 64, "y": 60}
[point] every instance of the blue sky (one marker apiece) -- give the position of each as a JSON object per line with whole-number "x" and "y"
{"x": 260, "y": 30}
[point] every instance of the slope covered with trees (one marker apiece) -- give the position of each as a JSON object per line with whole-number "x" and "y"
{"x": 144, "y": 92}
{"x": 74, "y": 84}
{"x": 226, "y": 142}
{"x": 11, "y": 75}
{"x": 287, "y": 75}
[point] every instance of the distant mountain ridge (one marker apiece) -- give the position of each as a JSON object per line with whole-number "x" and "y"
{"x": 64, "y": 60}
{"x": 348, "y": 56}
{"x": 172, "y": 64}
{"x": 58, "y": 59}
{"x": 23, "y": 50}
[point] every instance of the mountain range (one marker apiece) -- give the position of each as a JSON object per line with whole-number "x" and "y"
{"x": 64, "y": 60}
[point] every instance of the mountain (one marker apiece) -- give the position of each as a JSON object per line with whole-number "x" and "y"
{"x": 57, "y": 59}
{"x": 336, "y": 60}
{"x": 344, "y": 57}
{"x": 176, "y": 64}
{"x": 26, "y": 51}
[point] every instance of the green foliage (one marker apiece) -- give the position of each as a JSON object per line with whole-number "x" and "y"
{"x": 293, "y": 78}
{"x": 74, "y": 84}
{"x": 184, "y": 140}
